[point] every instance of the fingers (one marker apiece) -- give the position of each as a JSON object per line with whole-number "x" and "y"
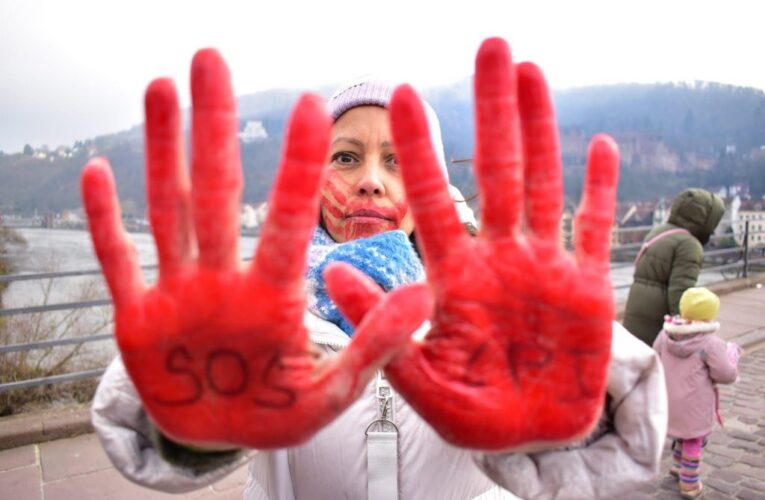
{"x": 115, "y": 252}
{"x": 215, "y": 171}
{"x": 385, "y": 330}
{"x": 352, "y": 290}
{"x": 437, "y": 225}
{"x": 390, "y": 324}
{"x": 498, "y": 155}
{"x": 542, "y": 174}
{"x": 167, "y": 183}
{"x": 294, "y": 206}
{"x": 595, "y": 217}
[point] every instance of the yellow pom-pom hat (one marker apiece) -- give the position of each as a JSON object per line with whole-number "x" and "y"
{"x": 699, "y": 304}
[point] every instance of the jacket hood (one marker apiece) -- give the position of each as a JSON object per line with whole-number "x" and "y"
{"x": 698, "y": 211}
{"x": 685, "y": 346}
{"x": 687, "y": 337}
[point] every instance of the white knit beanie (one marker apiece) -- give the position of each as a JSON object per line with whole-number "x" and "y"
{"x": 370, "y": 91}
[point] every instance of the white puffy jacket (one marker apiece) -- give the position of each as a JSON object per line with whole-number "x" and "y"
{"x": 333, "y": 464}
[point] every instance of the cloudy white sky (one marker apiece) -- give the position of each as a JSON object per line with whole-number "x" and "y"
{"x": 77, "y": 68}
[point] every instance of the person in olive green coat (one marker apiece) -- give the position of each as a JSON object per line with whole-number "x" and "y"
{"x": 670, "y": 262}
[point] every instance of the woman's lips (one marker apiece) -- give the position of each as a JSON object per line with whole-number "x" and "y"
{"x": 369, "y": 220}
{"x": 371, "y": 216}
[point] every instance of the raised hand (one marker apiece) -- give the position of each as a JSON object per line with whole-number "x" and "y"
{"x": 519, "y": 347}
{"x": 217, "y": 350}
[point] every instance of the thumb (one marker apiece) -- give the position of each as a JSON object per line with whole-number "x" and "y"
{"x": 385, "y": 330}
{"x": 388, "y": 327}
{"x": 351, "y": 290}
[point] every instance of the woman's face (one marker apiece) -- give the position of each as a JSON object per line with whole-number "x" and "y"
{"x": 363, "y": 194}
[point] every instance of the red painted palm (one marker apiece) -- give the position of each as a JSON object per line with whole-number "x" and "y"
{"x": 217, "y": 350}
{"x": 519, "y": 347}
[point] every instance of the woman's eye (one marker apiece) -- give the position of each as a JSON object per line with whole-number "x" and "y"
{"x": 344, "y": 159}
{"x": 392, "y": 162}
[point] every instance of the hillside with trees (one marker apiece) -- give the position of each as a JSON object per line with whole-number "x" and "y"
{"x": 670, "y": 135}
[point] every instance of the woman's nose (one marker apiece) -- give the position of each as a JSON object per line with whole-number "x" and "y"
{"x": 370, "y": 183}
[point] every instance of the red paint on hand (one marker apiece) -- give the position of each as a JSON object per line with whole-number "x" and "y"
{"x": 519, "y": 347}
{"x": 217, "y": 350}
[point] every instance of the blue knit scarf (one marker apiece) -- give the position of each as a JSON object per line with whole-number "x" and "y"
{"x": 388, "y": 258}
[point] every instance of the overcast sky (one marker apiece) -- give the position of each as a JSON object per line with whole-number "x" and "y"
{"x": 73, "y": 69}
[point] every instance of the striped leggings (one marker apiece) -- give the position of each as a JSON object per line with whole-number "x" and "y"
{"x": 686, "y": 457}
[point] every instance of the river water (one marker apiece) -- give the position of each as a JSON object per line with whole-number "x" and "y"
{"x": 55, "y": 250}
{"x": 51, "y": 250}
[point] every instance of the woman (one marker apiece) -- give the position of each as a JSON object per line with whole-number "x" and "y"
{"x": 515, "y": 356}
{"x": 670, "y": 262}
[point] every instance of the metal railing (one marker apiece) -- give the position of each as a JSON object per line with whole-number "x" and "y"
{"x": 731, "y": 262}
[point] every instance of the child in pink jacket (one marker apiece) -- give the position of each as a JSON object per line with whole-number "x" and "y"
{"x": 695, "y": 360}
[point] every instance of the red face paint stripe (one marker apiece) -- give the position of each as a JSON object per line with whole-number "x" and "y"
{"x": 334, "y": 190}
{"x": 328, "y": 205}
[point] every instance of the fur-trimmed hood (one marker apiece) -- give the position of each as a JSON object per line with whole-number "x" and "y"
{"x": 676, "y": 326}
{"x": 686, "y": 337}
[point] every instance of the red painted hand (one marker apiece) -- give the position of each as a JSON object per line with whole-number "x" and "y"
{"x": 519, "y": 346}
{"x": 218, "y": 351}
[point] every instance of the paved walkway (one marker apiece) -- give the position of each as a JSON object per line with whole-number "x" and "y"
{"x": 733, "y": 463}
{"x": 742, "y": 316}
{"x": 77, "y": 468}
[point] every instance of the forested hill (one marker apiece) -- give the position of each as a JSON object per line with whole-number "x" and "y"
{"x": 699, "y": 117}
{"x": 670, "y": 136}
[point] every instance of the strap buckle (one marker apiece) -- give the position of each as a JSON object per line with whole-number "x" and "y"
{"x": 385, "y": 426}
{"x": 385, "y": 402}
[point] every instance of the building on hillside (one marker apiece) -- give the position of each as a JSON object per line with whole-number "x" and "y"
{"x": 573, "y": 147}
{"x": 49, "y": 220}
{"x": 757, "y": 153}
{"x": 261, "y": 211}
{"x": 253, "y": 131}
{"x": 247, "y": 216}
{"x": 661, "y": 211}
{"x": 567, "y": 223}
{"x": 63, "y": 152}
{"x": 753, "y": 212}
{"x": 731, "y": 191}
{"x": 633, "y": 220}
{"x": 70, "y": 217}
{"x": 252, "y": 217}
{"x": 647, "y": 152}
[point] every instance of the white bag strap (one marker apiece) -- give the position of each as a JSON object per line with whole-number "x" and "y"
{"x": 656, "y": 238}
{"x": 382, "y": 446}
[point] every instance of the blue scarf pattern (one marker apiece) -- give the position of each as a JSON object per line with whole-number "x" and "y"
{"x": 388, "y": 258}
